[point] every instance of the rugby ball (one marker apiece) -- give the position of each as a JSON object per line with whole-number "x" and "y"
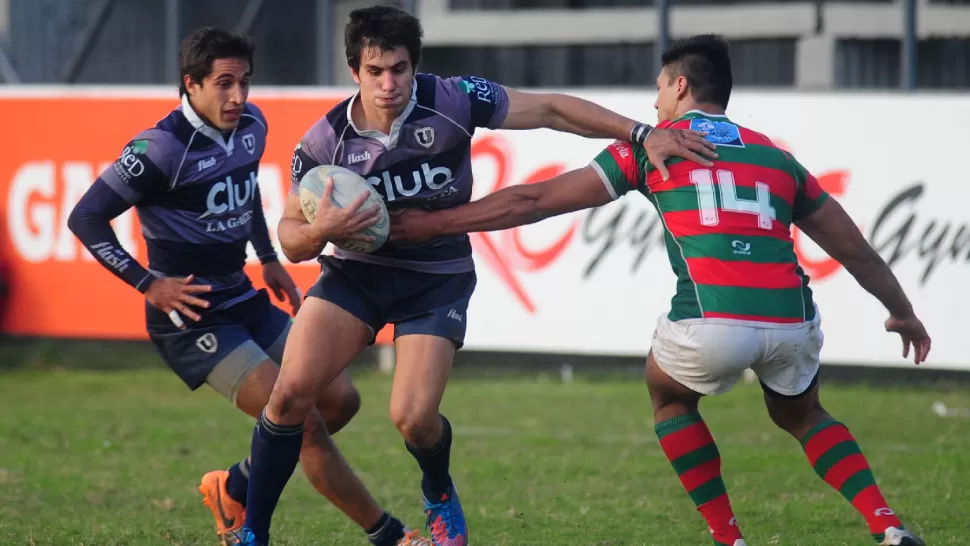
{"x": 347, "y": 186}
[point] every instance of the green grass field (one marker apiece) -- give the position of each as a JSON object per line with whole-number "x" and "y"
{"x": 113, "y": 457}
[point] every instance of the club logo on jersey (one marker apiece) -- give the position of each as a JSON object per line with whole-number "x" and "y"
{"x": 428, "y": 177}
{"x": 249, "y": 142}
{"x": 424, "y": 136}
{"x": 721, "y": 133}
{"x": 741, "y": 248}
{"x": 228, "y": 197}
{"x": 207, "y": 343}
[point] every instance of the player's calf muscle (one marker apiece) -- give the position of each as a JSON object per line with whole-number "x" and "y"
{"x": 338, "y": 409}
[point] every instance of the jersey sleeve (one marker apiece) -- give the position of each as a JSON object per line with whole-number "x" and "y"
{"x": 618, "y": 168}
{"x": 313, "y": 150}
{"x": 809, "y": 196}
{"x": 479, "y": 102}
{"x": 145, "y": 167}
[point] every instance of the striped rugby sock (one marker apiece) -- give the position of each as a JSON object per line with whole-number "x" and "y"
{"x": 691, "y": 450}
{"x": 837, "y": 459}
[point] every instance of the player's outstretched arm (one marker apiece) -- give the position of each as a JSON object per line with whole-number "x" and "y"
{"x": 570, "y": 114}
{"x": 834, "y": 231}
{"x": 510, "y": 207}
{"x": 831, "y": 227}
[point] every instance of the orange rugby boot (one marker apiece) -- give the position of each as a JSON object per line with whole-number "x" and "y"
{"x": 414, "y": 538}
{"x": 229, "y": 514}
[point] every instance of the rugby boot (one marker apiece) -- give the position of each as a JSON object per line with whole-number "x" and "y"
{"x": 414, "y": 538}
{"x": 446, "y": 520}
{"x": 900, "y": 537}
{"x": 245, "y": 537}
{"x": 229, "y": 514}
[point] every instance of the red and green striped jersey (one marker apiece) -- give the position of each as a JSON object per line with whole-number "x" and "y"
{"x": 727, "y": 227}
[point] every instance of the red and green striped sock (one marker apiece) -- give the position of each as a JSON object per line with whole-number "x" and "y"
{"x": 837, "y": 459}
{"x": 692, "y": 452}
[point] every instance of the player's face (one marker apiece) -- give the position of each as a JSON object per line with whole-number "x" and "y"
{"x": 669, "y": 93}
{"x": 385, "y": 77}
{"x": 221, "y": 96}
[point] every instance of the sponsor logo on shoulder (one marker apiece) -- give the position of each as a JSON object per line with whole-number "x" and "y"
{"x": 722, "y": 133}
{"x": 480, "y": 87}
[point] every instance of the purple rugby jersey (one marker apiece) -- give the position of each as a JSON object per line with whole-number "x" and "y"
{"x": 424, "y": 163}
{"x": 195, "y": 191}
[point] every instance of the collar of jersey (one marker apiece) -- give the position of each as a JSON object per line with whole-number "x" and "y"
{"x": 389, "y": 141}
{"x": 202, "y": 127}
{"x": 702, "y": 114}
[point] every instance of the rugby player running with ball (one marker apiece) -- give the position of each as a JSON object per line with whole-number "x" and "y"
{"x": 409, "y": 135}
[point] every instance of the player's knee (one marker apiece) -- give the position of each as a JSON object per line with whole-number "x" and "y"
{"x": 290, "y": 403}
{"x": 415, "y": 426}
{"x": 340, "y": 408}
{"x": 795, "y": 414}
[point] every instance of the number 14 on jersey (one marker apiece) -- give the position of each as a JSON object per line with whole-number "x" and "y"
{"x": 703, "y": 180}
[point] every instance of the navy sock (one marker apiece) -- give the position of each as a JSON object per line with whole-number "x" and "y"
{"x": 275, "y": 452}
{"x": 434, "y": 463}
{"x": 388, "y": 531}
{"x": 238, "y": 483}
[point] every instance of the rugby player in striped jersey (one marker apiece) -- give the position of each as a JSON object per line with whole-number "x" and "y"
{"x": 741, "y": 301}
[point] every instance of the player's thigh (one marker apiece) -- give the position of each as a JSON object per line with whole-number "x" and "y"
{"x": 421, "y": 373}
{"x": 790, "y": 363}
{"x": 339, "y": 401}
{"x": 707, "y": 358}
{"x": 254, "y": 392}
{"x": 222, "y": 355}
{"x": 326, "y": 335}
{"x": 425, "y": 344}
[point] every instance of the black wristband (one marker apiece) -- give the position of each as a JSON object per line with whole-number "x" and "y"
{"x": 639, "y": 133}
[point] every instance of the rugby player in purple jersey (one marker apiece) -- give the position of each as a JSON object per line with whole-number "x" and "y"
{"x": 409, "y": 135}
{"x": 193, "y": 182}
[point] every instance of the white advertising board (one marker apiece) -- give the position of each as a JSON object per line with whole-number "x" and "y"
{"x": 593, "y": 282}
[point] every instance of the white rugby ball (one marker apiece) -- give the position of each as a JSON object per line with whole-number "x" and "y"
{"x": 347, "y": 187}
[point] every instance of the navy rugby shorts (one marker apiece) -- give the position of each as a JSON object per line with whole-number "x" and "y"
{"x": 250, "y": 329}
{"x": 414, "y": 302}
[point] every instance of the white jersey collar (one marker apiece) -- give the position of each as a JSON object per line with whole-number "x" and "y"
{"x": 389, "y": 141}
{"x": 202, "y": 127}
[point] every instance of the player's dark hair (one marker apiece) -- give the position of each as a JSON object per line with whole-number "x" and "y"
{"x": 706, "y": 63}
{"x": 386, "y": 27}
{"x": 205, "y": 45}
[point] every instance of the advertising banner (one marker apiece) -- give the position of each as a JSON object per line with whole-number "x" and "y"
{"x": 593, "y": 282}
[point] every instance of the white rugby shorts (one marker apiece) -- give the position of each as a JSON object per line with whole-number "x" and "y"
{"x": 709, "y": 355}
